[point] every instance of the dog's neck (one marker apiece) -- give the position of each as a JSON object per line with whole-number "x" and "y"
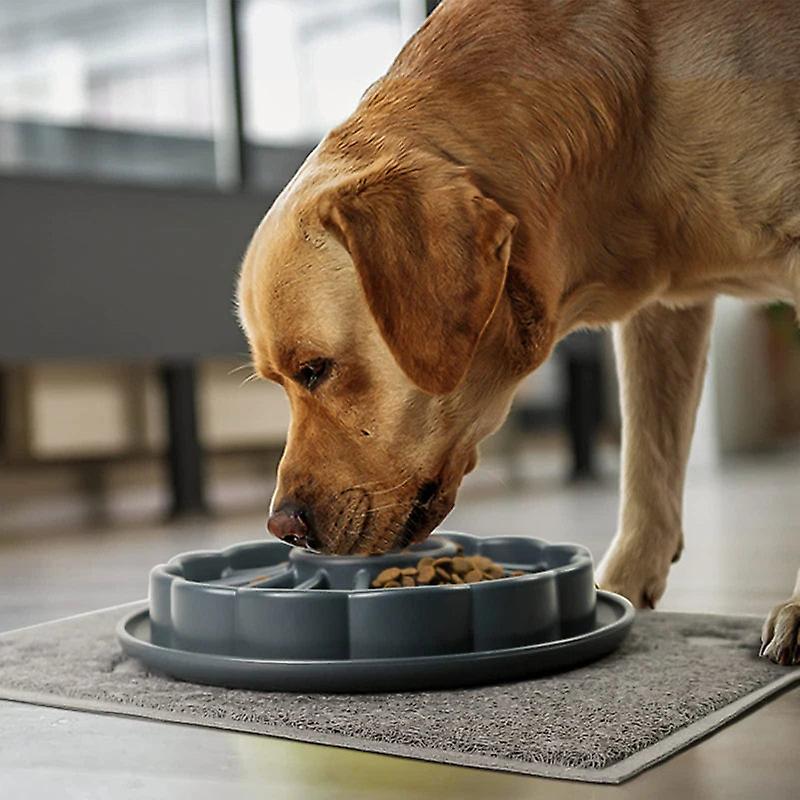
{"x": 571, "y": 117}
{"x": 572, "y": 114}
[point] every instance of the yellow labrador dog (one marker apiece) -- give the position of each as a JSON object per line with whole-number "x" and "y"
{"x": 524, "y": 169}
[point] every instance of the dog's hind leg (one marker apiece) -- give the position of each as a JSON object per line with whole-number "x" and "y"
{"x": 780, "y": 637}
{"x": 661, "y": 357}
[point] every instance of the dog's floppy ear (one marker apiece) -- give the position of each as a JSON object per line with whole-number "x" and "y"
{"x": 432, "y": 253}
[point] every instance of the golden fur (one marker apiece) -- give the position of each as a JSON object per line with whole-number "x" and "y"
{"x": 526, "y": 168}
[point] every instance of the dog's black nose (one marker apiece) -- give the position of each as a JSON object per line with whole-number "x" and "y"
{"x": 289, "y": 523}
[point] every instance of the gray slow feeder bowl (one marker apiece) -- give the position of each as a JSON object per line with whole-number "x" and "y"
{"x": 261, "y": 616}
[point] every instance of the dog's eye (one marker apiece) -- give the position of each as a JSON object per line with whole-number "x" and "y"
{"x": 313, "y": 372}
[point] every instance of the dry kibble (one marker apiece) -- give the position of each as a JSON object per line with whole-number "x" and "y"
{"x": 454, "y": 571}
{"x": 389, "y": 574}
{"x": 461, "y": 565}
{"x": 443, "y": 574}
{"x": 426, "y": 575}
{"x": 494, "y": 572}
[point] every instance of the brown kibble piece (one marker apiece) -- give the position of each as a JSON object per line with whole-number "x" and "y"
{"x": 444, "y": 561}
{"x": 389, "y": 574}
{"x": 426, "y": 575}
{"x": 494, "y": 571}
{"x": 443, "y": 574}
{"x": 461, "y": 565}
{"x": 408, "y": 581}
{"x": 456, "y": 578}
{"x": 408, "y": 571}
{"x": 391, "y": 585}
{"x": 481, "y": 562}
{"x": 425, "y": 562}
{"x": 473, "y": 576}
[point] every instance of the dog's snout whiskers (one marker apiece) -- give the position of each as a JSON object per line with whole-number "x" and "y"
{"x": 345, "y": 532}
{"x": 357, "y": 519}
{"x": 418, "y": 514}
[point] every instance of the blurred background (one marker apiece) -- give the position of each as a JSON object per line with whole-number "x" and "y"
{"x": 140, "y": 143}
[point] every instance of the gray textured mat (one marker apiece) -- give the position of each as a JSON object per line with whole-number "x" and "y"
{"x": 676, "y": 678}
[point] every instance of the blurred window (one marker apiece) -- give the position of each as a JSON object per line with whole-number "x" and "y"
{"x": 304, "y": 66}
{"x": 127, "y": 88}
{"x": 106, "y": 87}
{"x": 306, "y": 63}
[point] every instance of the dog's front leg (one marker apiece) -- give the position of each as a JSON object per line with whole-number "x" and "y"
{"x": 661, "y": 357}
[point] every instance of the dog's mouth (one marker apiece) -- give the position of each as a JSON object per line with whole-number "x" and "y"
{"x": 419, "y": 516}
{"x": 359, "y": 529}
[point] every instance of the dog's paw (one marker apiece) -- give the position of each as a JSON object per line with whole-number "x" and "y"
{"x": 780, "y": 637}
{"x": 641, "y": 582}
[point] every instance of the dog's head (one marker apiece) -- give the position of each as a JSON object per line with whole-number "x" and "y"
{"x": 378, "y": 299}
